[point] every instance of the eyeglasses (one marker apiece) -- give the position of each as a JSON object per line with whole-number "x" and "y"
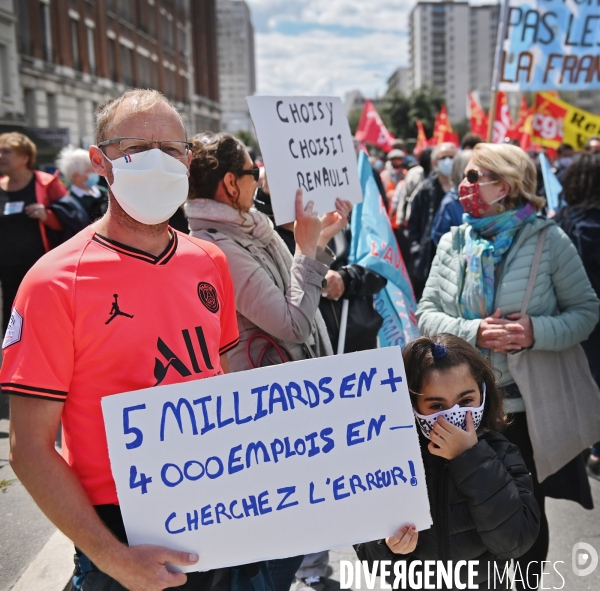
{"x": 132, "y": 145}
{"x": 473, "y": 175}
{"x": 255, "y": 172}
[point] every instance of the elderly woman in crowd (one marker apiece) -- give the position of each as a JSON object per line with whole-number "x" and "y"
{"x": 75, "y": 166}
{"x": 277, "y": 296}
{"x": 477, "y": 285}
{"x": 25, "y": 198}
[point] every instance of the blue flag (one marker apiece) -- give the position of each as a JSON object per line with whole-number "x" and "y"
{"x": 551, "y": 183}
{"x": 374, "y": 246}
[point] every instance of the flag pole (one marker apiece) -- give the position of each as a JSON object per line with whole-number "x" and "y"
{"x": 492, "y": 115}
{"x": 343, "y": 325}
{"x": 497, "y": 66}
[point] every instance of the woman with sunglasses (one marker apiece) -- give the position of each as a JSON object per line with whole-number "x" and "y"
{"x": 277, "y": 296}
{"x": 477, "y": 285}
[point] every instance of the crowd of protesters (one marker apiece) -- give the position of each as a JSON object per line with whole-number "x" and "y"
{"x": 470, "y": 223}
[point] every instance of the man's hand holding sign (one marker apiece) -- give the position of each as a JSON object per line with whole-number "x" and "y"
{"x": 202, "y": 463}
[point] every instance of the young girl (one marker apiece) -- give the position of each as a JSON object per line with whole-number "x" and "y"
{"x": 480, "y": 491}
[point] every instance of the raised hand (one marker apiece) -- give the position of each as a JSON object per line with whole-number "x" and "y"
{"x": 334, "y": 221}
{"x": 449, "y": 441}
{"x": 307, "y": 227}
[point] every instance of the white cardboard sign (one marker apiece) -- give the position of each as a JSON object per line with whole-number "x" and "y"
{"x": 306, "y": 143}
{"x": 272, "y": 462}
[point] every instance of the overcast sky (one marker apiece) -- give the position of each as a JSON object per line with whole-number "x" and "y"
{"x": 328, "y": 47}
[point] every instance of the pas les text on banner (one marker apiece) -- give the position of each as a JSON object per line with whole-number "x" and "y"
{"x": 548, "y": 45}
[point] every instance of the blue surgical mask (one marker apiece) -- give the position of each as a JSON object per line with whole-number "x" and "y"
{"x": 445, "y": 166}
{"x": 92, "y": 180}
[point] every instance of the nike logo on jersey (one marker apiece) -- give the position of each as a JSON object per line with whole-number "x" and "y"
{"x": 171, "y": 360}
{"x": 116, "y": 311}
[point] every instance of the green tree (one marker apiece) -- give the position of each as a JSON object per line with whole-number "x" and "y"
{"x": 403, "y": 111}
{"x": 247, "y": 138}
{"x": 354, "y": 119}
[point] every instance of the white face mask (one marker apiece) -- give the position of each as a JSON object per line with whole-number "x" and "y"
{"x": 149, "y": 186}
{"x": 457, "y": 415}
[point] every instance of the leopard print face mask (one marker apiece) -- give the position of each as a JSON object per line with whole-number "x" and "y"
{"x": 457, "y": 415}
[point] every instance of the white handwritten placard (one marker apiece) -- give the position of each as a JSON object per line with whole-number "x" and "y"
{"x": 306, "y": 143}
{"x": 272, "y": 462}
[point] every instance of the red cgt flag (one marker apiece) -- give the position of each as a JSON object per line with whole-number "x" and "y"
{"x": 502, "y": 119}
{"x": 421, "y": 139}
{"x": 442, "y": 129}
{"x": 477, "y": 117}
{"x": 521, "y": 130}
{"x": 372, "y": 130}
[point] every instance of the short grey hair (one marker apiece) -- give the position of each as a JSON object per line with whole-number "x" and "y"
{"x": 73, "y": 160}
{"x": 141, "y": 101}
{"x": 440, "y": 147}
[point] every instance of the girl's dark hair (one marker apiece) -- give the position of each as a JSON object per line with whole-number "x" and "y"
{"x": 213, "y": 156}
{"x": 582, "y": 182}
{"x": 419, "y": 361}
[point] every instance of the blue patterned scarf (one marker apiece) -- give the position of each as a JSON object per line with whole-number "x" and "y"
{"x": 483, "y": 254}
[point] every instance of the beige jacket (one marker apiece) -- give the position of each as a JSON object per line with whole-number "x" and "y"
{"x": 266, "y": 300}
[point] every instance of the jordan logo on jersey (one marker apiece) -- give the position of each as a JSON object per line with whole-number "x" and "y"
{"x": 171, "y": 360}
{"x": 116, "y": 311}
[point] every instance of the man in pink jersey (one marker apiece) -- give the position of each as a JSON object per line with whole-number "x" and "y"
{"x": 126, "y": 304}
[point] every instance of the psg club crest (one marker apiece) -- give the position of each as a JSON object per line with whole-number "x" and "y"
{"x": 14, "y": 329}
{"x": 208, "y": 296}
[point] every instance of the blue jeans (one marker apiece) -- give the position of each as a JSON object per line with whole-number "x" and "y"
{"x": 283, "y": 571}
{"x": 88, "y": 578}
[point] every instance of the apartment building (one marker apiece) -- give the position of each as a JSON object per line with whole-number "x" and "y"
{"x": 76, "y": 54}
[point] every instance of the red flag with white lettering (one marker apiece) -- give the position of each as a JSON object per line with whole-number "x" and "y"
{"x": 502, "y": 120}
{"x": 371, "y": 129}
{"x": 422, "y": 141}
{"x": 477, "y": 117}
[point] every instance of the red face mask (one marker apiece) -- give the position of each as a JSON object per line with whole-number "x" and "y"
{"x": 471, "y": 200}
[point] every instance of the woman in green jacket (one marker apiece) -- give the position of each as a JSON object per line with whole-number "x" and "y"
{"x": 477, "y": 284}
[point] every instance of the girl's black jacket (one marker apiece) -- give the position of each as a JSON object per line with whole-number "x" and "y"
{"x": 482, "y": 507}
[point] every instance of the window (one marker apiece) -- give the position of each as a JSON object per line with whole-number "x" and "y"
{"x": 127, "y": 65}
{"x": 143, "y": 72}
{"x": 112, "y": 59}
{"x": 81, "y": 123}
{"x": 30, "y": 107}
{"x": 24, "y": 32}
{"x": 5, "y": 71}
{"x": 91, "y": 48}
{"x": 154, "y": 74}
{"x": 52, "y": 110}
{"x": 152, "y": 21}
{"x": 167, "y": 31}
{"x": 182, "y": 43}
{"x": 126, "y": 10}
{"x": 46, "y": 32}
{"x": 170, "y": 85}
{"x": 75, "y": 43}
